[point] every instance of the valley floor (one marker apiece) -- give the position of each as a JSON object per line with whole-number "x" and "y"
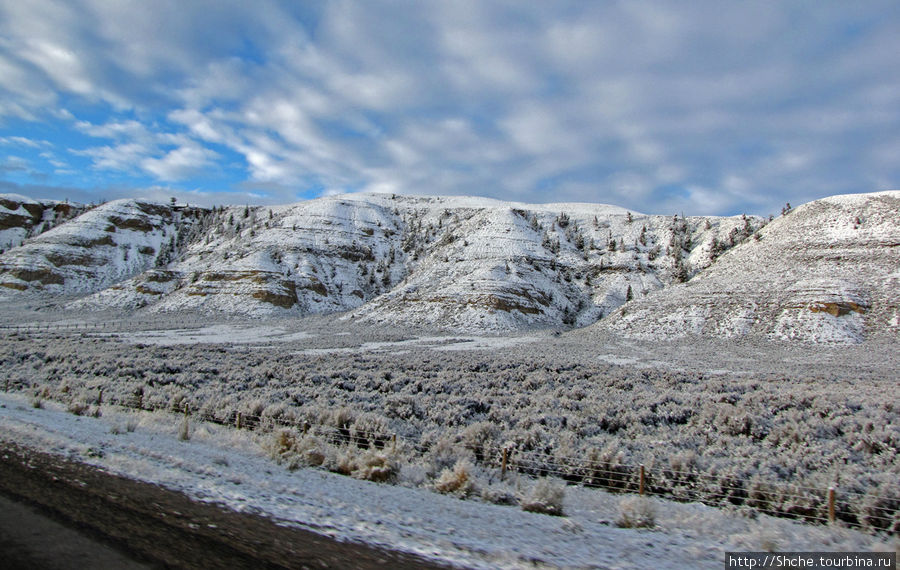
{"x": 749, "y": 413}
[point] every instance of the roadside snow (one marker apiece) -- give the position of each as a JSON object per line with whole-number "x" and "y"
{"x": 223, "y": 465}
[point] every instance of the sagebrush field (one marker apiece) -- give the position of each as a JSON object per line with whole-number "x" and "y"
{"x": 767, "y": 426}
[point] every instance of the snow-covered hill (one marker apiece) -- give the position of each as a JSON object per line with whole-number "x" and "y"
{"x": 828, "y": 271}
{"x": 22, "y": 217}
{"x": 447, "y": 262}
{"x": 97, "y": 249}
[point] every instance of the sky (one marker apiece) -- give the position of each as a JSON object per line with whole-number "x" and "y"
{"x": 702, "y": 107}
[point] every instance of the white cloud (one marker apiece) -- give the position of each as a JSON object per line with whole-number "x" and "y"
{"x": 180, "y": 163}
{"x": 24, "y": 141}
{"x": 14, "y": 164}
{"x": 648, "y": 104}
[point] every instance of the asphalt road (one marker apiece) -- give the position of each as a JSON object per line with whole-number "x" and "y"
{"x": 60, "y": 514}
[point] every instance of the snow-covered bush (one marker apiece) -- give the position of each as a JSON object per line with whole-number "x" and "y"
{"x": 457, "y": 481}
{"x": 370, "y": 465}
{"x": 546, "y": 496}
{"x": 636, "y": 511}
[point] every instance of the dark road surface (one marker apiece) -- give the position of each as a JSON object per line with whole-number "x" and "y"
{"x": 59, "y": 514}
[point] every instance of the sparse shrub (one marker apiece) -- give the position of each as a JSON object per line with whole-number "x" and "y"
{"x": 282, "y": 443}
{"x": 131, "y": 425}
{"x": 77, "y": 408}
{"x": 370, "y": 465}
{"x": 546, "y": 497}
{"x": 345, "y": 462}
{"x": 498, "y": 495}
{"x": 374, "y": 466}
{"x": 457, "y": 480}
{"x": 636, "y": 511}
{"x": 37, "y": 403}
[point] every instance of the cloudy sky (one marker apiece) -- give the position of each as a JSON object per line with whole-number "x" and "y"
{"x": 700, "y": 107}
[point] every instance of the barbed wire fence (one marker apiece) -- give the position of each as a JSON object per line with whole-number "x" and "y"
{"x": 829, "y": 505}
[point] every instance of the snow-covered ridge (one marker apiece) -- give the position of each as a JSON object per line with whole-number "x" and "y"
{"x": 824, "y": 272}
{"x": 449, "y": 262}
{"x": 21, "y": 217}
{"x": 98, "y": 248}
{"x": 458, "y": 262}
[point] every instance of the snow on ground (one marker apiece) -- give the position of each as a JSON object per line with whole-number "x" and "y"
{"x": 213, "y": 334}
{"x": 440, "y": 343}
{"x": 224, "y": 333}
{"x": 223, "y": 465}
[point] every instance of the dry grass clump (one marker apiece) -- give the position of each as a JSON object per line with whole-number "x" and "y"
{"x": 370, "y": 465}
{"x": 545, "y": 497}
{"x": 457, "y": 480}
{"x": 294, "y": 451}
{"x": 636, "y": 512}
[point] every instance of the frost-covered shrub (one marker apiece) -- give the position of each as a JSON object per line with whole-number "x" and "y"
{"x": 546, "y": 496}
{"x": 375, "y": 466}
{"x": 604, "y": 468}
{"x": 445, "y": 454}
{"x": 457, "y": 481}
{"x": 370, "y": 429}
{"x": 294, "y": 451}
{"x": 499, "y": 495}
{"x": 479, "y": 438}
{"x": 78, "y": 408}
{"x": 636, "y": 511}
{"x": 370, "y": 465}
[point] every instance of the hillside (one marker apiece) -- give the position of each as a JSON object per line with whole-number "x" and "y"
{"x": 828, "y": 271}
{"x": 447, "y": 262}
{"x": 22, "y": 217}
{"x": 98, "y": 248}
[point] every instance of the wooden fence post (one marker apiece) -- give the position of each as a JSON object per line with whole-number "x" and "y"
{"x": 393, "y": 443}
{"x": 503, "y": 463}
{"x": 237, "y": 421}
{"x": 641, "y": 483}
{"x": 831, "y": 505}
